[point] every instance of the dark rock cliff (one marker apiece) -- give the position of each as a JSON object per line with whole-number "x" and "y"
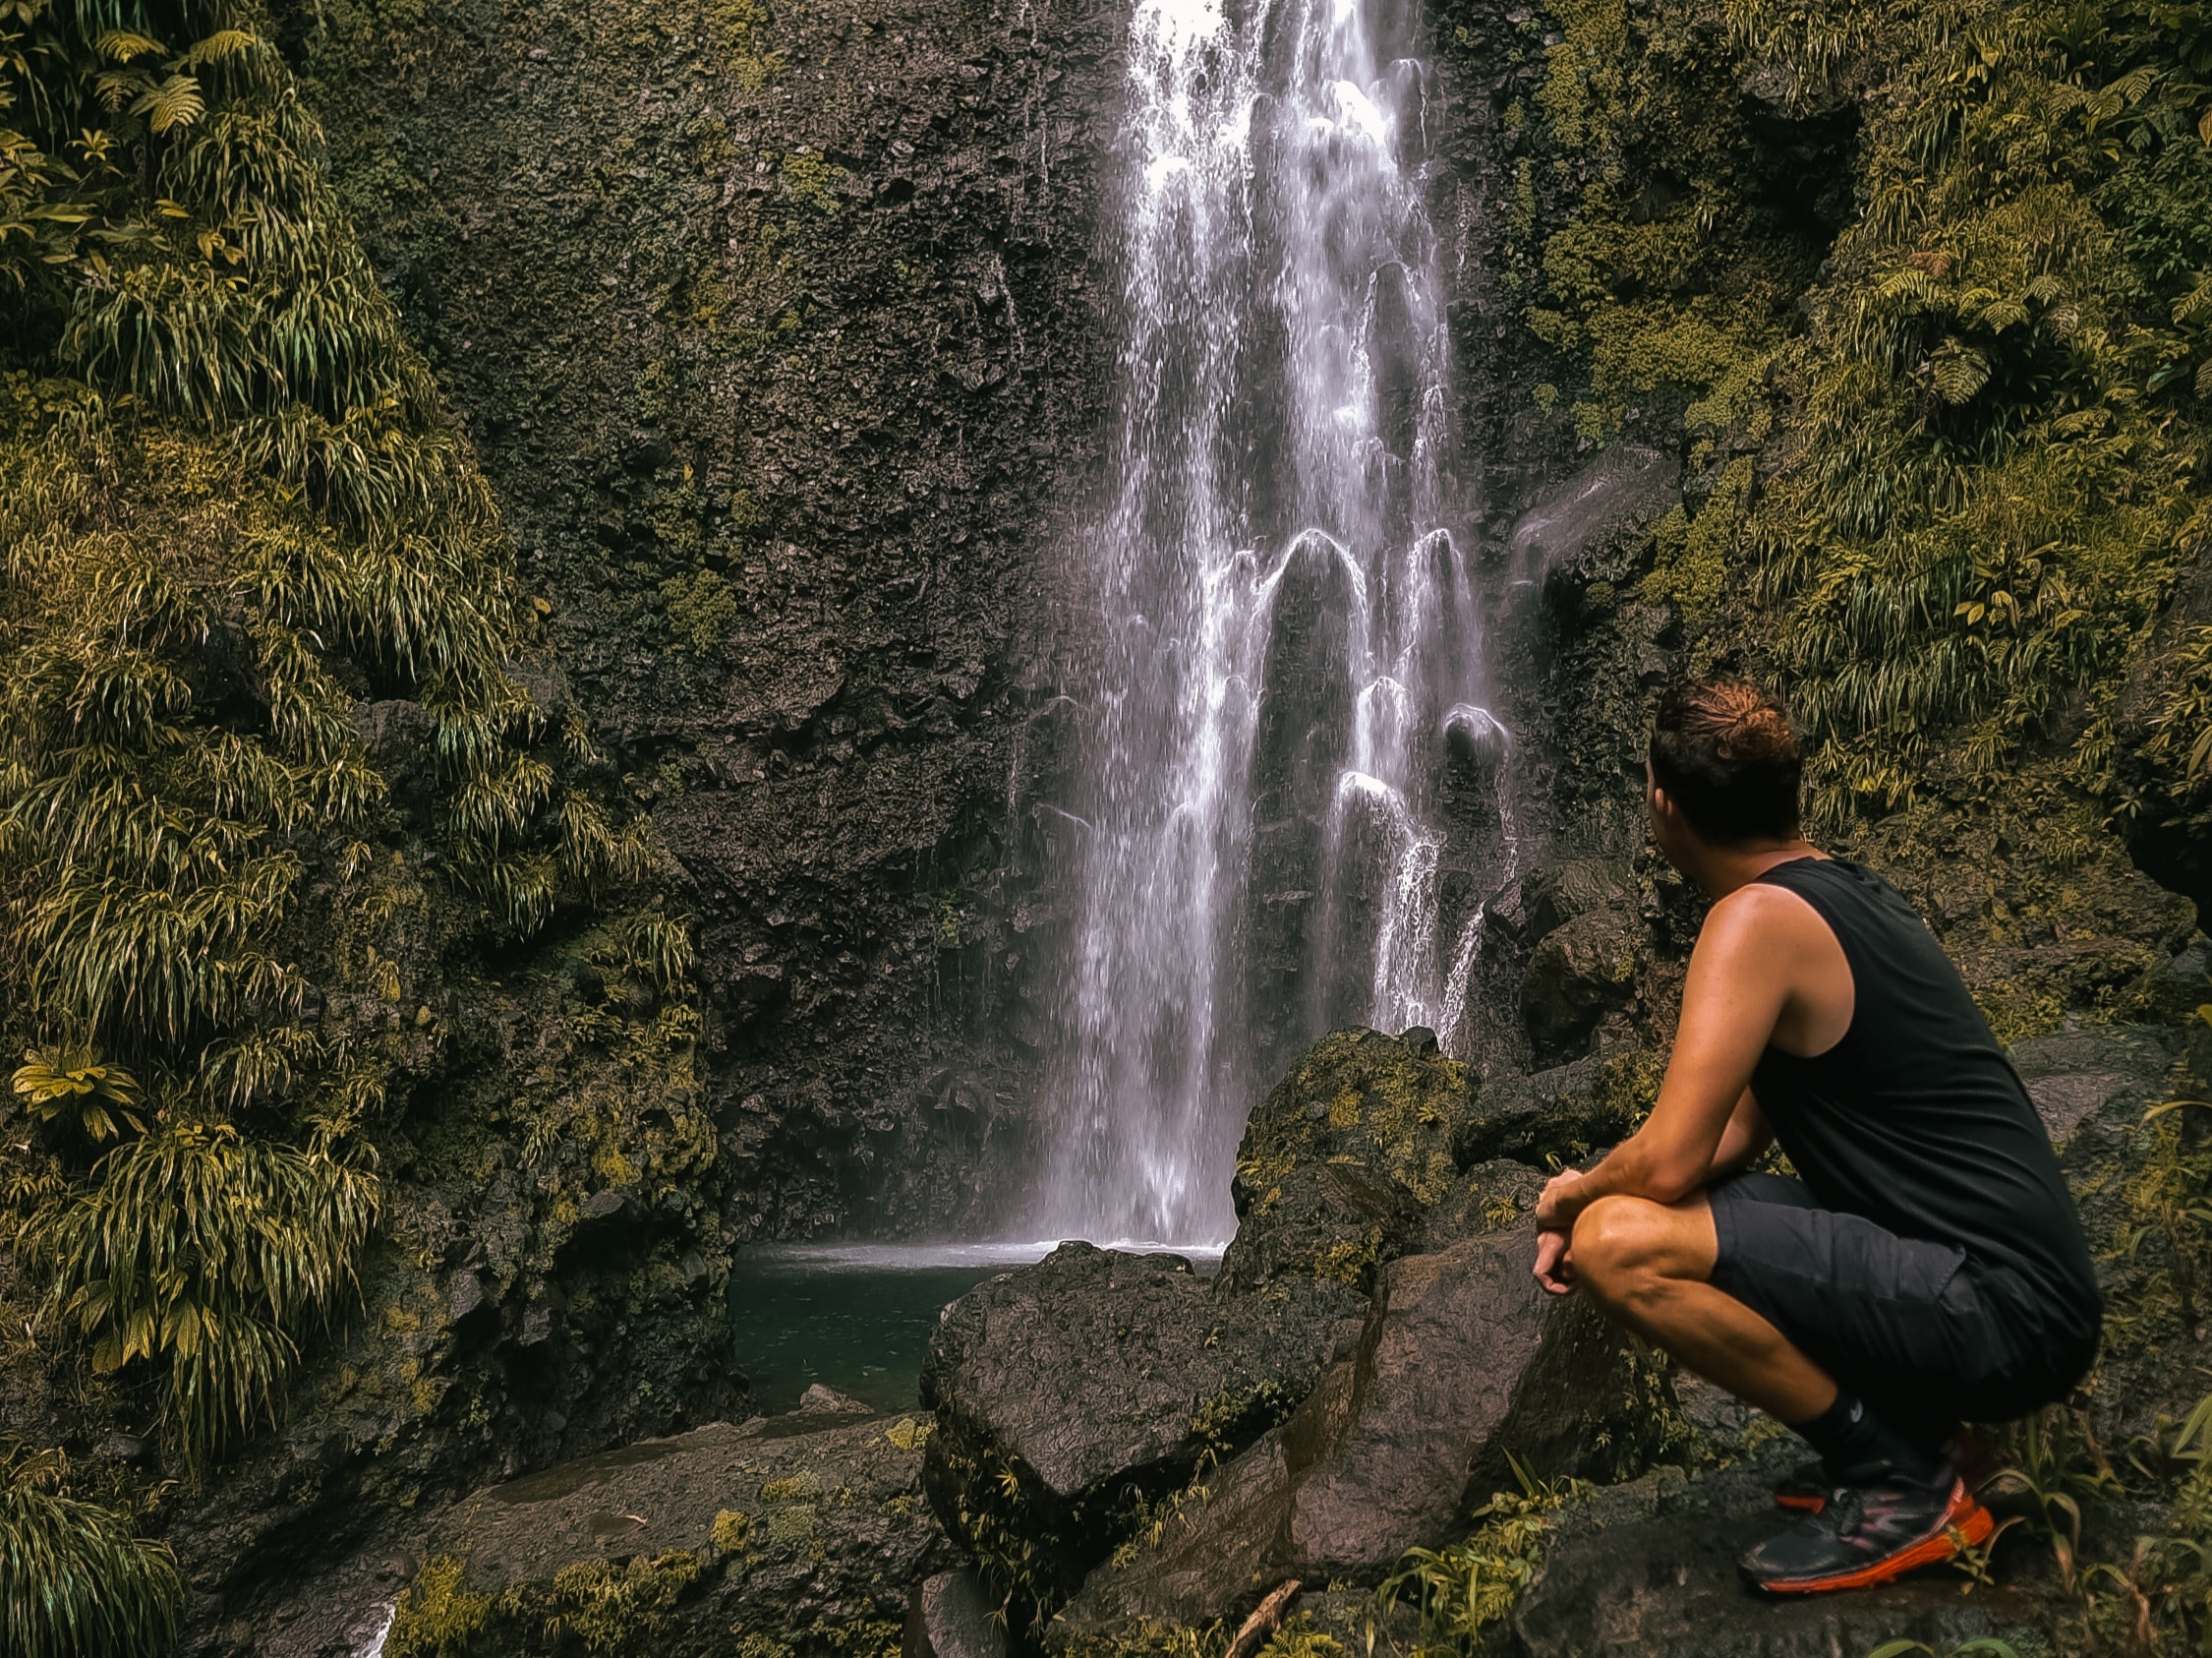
{"x": 782, "y": 334}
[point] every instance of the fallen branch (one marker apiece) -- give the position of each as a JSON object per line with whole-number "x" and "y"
{"x": 1267, "y": 1618}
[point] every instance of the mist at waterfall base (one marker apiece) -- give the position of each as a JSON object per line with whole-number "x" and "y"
{"x": 1290, "y": 804}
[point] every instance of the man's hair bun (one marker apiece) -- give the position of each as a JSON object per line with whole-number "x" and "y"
{"x": 1726, "y": 753}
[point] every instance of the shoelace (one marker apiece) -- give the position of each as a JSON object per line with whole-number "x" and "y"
{"x": 1846, "y": 1510}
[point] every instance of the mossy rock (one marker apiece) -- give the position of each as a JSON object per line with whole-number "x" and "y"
{"x": 1386, "y": 1103}
{"x": 782, "y": 1538}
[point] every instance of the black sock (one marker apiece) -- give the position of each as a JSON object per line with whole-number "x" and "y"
{"x": 1858, "y": 1447}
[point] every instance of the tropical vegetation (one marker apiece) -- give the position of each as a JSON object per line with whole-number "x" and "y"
{"x": 235, "y": 521}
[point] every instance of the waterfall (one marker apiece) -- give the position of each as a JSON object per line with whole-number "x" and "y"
{"x": 1289, "y": 805}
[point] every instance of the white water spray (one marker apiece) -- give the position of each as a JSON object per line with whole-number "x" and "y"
{"x": 1275, "y": 834}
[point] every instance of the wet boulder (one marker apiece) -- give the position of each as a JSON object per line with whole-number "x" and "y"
{"x": 1386, "y": 1104}
{"x": 1324, "y": 1220}
{"x": 802, "y": 1528}
{"x": 1563, "y": 1112}
{"x": 1580, "y": 972}
{"x": 1463, "y": 1360}
{"x": 1558, "y": 890}
{"x": 1071, "y": 1393}
{"x": 952, "y": 1616}
{"x": 1490, "y": 1197}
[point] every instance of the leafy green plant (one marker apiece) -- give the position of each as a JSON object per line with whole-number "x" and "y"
{"x": 74, "y": 1081}
{"x": 1299, "y": 1637}
{"x": 77, "y": 1581}
{"x": 2167, "y": 1581}
{"x": 213, "y": 1255}
{"x": 595, "y": 1606}
{"x": 1465, "y": 1588}
{"x": 235, "y": 520}
{"x": 2171, "y": 1200}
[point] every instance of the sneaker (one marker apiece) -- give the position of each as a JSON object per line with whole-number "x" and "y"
{"x": 1868, "y": 1534}
{"x": 1804, "y": 1490}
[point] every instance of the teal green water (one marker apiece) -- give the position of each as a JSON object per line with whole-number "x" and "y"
{"x": 856, "y": 1320}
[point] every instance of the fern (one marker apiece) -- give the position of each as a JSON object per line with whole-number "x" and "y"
{"x": 214, "y": 1253}
{"x": 77, "y": 1581}
{"x": 175, "y": 102}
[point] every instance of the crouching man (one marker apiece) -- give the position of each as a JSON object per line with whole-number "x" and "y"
{"x": 1924, "y": 1269}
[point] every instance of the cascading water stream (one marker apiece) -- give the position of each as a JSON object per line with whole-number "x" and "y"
{"x": 1290, "y": 806}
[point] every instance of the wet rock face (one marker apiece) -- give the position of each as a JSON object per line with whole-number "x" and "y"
{"x": 1463, "y": 1358}
{"x": 778, "y": 333}
{"x": 1621, "y": 491}
{"x": 1067, "y": 1392}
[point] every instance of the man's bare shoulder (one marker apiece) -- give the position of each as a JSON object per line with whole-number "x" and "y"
{"x": 1760, "y": 914}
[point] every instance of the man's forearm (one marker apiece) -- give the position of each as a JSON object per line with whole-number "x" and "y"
{"x": 1635, "y": 1168}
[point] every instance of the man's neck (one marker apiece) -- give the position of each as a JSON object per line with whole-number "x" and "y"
{"x": 1722, "y": 870}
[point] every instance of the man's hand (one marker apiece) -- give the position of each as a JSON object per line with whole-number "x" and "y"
{"x": 1554, "y": 1263}
{"x": 1555, "y": 1213}
{"x": 1560, "y": 1202}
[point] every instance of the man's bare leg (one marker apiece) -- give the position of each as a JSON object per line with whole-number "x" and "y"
{"x": 1647, "y": 1266}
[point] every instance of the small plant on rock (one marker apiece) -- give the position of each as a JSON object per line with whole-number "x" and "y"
{"x": 73, "y": 1579}
{"x": 212, "y": 1254}
{"x": 72, "y": 1080}
{"x": 1465, "y": 1588}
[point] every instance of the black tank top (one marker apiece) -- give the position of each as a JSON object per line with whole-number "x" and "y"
{"x": 1916, "y": 1120}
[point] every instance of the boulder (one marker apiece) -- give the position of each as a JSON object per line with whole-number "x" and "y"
{"x": 1565, "y": 1112}
{"x": 1649, "y": 1569}
{"x": 952, "y": 1616}
{"x": 819, "y": 1400}
{"x": 1325, "y": 1220}
{"x": 793, "y": 1530}
{"x": 2088, "y": 1076}
{"x": 1071, "y": 1393}
{"x": 1463, "y": 1360}
{"x": 1555, "y": 893}
{"x": 1492, "y": 1194}
{"x": 1578, "y": 974}
{"x": 2092, "y": 1089}
{"x": 1386, "y": 1103}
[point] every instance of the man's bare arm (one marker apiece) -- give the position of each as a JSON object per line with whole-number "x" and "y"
{"x": 1742, "y": 975}
{"x": 1746, "y": 1136}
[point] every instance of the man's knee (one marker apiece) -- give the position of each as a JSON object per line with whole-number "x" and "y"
{"x": 1622, "y": 1244}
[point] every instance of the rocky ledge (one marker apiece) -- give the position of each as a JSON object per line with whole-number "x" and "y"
{"x": 1117, "y": 1454}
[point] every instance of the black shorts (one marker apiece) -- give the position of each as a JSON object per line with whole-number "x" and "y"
{"x": 1925, "y": 1336}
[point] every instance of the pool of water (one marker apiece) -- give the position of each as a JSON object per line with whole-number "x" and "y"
{"x": 856, "y": 1317}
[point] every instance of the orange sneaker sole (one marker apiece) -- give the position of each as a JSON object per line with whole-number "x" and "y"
{"x": 1966, "y": 1525}
{"x": 1800, "y": 1505}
